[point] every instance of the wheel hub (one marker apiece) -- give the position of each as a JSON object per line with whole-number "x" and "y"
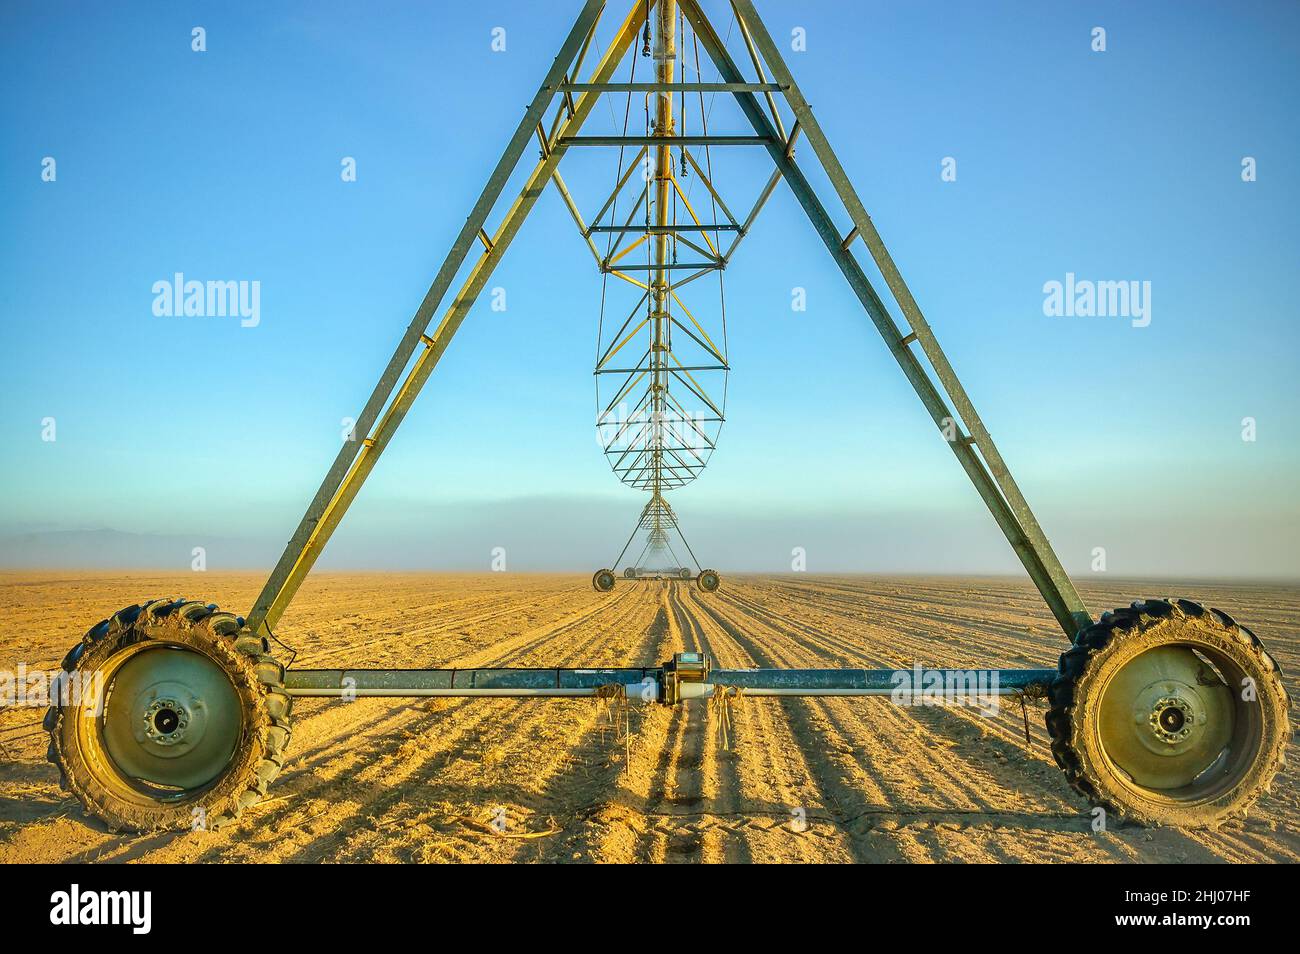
{"x": 166, "y": 722}
{"x": 1166, "y": 718}
{"x": 171, "y": 718}
{"x": 1172, "y": 720}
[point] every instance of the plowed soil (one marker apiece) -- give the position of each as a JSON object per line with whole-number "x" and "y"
{"x": 568, "y": 780}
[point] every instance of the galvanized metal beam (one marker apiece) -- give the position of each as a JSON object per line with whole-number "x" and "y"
{"x": 356, "y": 459}
{"x": 646, "y": 683}
{"x": 703, "y": 266}
{"x": 1034, "y": 552}
{"x": 328, "y": 683}
{"x": 664, "y": 229}
{"x": 670, "y": 87}
{"x": 693, "y": 140}
{"x": 1061, "y": 590}
{"x": 875, "y": 682}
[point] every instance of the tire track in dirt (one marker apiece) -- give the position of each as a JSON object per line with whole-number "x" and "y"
{"x": 831, "y": 648}
{"x": 1266, "y": 832}
{"x": 1003, "y": 739}
{"x": 676, "y": 785}
{"x": 318, "y": 723}
{"x": 614, "y": 799}
{"x": 706, "y": 780}
{"x": 1009, "y": 640}
{"x": 404, "y": 636}
{"x": 339, "y": 737}
{"x": 693, "y": 802}
{"x": 596, "y": 790}
{"x": 505, "y": 767}
{"x": 1031, "y": 767}
{"x": 409, "y": 761}
{"x": 564, "y": 736}
{"x": 891, "y": 735}
{"x": 767, "y": 755}
{"x": 329, "y": 721}
{"x": 827, "y": 746}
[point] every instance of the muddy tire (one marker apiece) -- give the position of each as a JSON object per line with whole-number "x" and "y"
{"x": 1168, "y": 713}
{"x": 708, "y": 580}
{"x": 603, "y": 581}
{"x": 188, "y": 725}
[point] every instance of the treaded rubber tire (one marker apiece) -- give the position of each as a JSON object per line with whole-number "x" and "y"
{"x": 602, "y": 581}
{"x": 708, "y": 581}
{"x": 1101, "y": 649}
{"x": 258, "y": 680}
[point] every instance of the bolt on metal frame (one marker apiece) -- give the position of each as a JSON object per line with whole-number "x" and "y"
{"x": 946, "y": 401}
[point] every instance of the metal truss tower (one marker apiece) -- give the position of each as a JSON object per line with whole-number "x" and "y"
{"x": 419, "y": 351}
{"x": 661, "y": 372}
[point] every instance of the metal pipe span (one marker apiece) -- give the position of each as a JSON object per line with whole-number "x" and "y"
{"x": 644, "y": 683}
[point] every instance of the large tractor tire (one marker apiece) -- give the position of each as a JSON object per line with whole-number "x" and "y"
{"x": 1168, "y": 713}
{"x": 603, "y": 581}
{"x": 189, "y": 724}
{"x": 708, "y": 581}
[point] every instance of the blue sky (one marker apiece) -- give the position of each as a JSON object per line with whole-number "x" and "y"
{"x": 224, "y": 165}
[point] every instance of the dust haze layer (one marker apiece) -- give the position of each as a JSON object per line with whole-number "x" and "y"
{"x": 567, "y": 534}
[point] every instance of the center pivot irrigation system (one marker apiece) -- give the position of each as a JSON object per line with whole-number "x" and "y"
{"x": 1164, "y": 712}
{"x": 653, "y": 440}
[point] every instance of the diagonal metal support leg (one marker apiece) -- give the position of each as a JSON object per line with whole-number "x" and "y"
{"x": 694, "y": 559}
{"x": 998, "y": 491}
{"x": 357, "y": 458}
{"x": 619, "y": 558}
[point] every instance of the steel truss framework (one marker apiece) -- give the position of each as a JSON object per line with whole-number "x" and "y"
{"x": 420, "y": 349}
{"x": 658, "y": 523}
{"x": 658, "y": 414}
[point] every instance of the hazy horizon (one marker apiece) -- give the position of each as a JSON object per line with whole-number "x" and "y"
{"x": 129, "y": 435}
{"x": 560, "y": 534}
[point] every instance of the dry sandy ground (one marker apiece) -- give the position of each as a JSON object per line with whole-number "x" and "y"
{"x": 391, "y": 780}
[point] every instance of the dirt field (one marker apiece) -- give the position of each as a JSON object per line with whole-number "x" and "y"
{"x": 391, "y": 780}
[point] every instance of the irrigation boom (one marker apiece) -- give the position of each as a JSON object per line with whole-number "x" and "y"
{"x": 1147, "y": 713}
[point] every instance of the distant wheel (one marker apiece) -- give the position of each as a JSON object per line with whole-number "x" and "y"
{"x": 629, "y": 573}
{"x": 684, "y": 573}
{"x": 708, "y": 580}
{"x": 1169, "y": 713}
{"x": 181, "y": 720}
{"x": 603, "y": 581}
